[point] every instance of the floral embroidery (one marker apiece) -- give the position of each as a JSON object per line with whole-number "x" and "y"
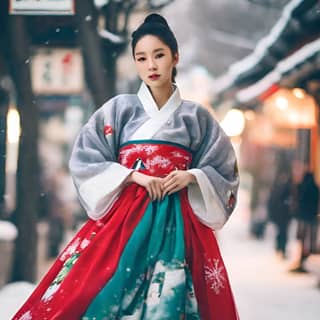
{"x": 160, "y": 161}
{"x": 148, "y": 149}
{"x": 26, "y": 316}
{"x": 107, "y": 130}
{"x": 84, "y": 243}
{"x": 231, "y": 201}
{"x": 70, "y": 249}
{"x": 155, "y": 159}
{"x": 214, "y": 275}
{"x": 177, "y": 154}
{"x": 55, "y": 285}
{"x": 48, "y": 295}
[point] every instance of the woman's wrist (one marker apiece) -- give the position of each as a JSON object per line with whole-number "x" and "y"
{"x": 192, "y": 178}
{"x": 131, "y": 177}
{"x": 136, "y": 177}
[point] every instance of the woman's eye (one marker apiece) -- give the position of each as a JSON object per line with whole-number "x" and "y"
{"x": 160, "y": 55}
{"x": 141, "y": 59}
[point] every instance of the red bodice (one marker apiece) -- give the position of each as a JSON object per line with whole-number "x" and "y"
{"x": 155, "y": 159}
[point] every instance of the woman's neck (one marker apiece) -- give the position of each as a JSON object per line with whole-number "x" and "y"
{"x": 162, "y": 94}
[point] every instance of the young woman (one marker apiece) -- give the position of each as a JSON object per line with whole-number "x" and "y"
{"x": 156, "y": 175}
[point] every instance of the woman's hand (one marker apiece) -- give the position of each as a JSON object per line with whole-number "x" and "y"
{"x": 153, "y": 185}
{"x": 175, "y": 181}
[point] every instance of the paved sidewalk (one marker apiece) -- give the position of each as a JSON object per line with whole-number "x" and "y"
{"x": 262, "y": 286}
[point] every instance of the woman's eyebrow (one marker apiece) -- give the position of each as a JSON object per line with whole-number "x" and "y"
{"x": 143, "y": 53}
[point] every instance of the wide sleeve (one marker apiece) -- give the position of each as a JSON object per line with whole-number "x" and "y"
{"x": 97, "y": 175}
{"x": 214, "y": 195}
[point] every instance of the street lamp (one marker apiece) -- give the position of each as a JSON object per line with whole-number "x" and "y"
{"x": 233, "y": 123}
{"x": 293, "y": 109}
{"x": 13, "y": 125}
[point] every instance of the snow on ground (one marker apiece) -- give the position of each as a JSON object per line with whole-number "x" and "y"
{"x": 264, "y": 289}
{"x": 12, "y": 297}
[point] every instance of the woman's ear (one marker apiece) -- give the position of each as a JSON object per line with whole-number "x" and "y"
{"x": 175, "y": 59}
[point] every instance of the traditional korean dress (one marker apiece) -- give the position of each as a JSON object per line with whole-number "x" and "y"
{"x": 136, "y": 258}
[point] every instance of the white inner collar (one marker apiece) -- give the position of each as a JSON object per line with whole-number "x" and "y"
{"x": 150, "y": 105}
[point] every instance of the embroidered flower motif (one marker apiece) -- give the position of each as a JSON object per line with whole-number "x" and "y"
{"x": 214, "y": 275}
{"x": 137, "y": 149}
{"x": 26, "y": 316}
{"x": 231, "y": 201}
{"x": 55, "y": 285}
{"x": 48, "y": 295}
{"x": 84, "y": 243}
{"x": 70, "y": 249}
{"x": 107, "y": 130}
{"x": 177, "y": 154}
{"x": 150, "y": 149}
{"x": 160, "y": 161}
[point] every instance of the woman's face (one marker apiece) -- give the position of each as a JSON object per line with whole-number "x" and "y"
{"x": 154, "y": 61}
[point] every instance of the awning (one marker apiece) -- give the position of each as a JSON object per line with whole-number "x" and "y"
{"x": 297, "y": 26}
{"x": 307, "y": 59}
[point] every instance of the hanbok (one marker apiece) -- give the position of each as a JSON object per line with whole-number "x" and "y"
{"x": 136, "y": 258}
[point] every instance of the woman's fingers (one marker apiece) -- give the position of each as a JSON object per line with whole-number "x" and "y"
{"x": 169, "y": 181}
{"x": 158, "y": 188}
{"x": 169, "y": 187}
{"x": 155, "y": 189}
{"x": 175, "y": 181}
{"x": 150, "y": 192}
{"x": 159, "y": 191}
{"x": 175, "y": 189}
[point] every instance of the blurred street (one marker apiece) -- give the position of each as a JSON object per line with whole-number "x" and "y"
{"x": 254, "y": 65}
{"x": 262, "y": 286}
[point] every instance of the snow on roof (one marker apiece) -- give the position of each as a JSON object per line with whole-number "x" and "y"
{"x": 282, "y": 67}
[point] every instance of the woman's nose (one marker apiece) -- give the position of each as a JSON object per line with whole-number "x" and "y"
{"x": 152, "y": 65}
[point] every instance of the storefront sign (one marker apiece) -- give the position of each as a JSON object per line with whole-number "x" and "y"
{"x": 57, "y": 71}
{"x": 42, "y": 7}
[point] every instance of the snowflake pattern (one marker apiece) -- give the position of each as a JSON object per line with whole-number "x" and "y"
{"x": 214, "y": 275}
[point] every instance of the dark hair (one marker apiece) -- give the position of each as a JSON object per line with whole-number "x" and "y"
{"x": 156, "y": 25}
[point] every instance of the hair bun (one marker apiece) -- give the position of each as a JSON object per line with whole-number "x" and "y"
{"x": 156, "y": 18}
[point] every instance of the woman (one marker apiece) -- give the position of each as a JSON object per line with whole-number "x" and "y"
{"x": 279, "y": 209}
{"x": 156, "y": 174}
{"x": 307, "y": 211}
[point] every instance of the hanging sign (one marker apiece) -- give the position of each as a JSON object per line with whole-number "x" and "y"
{"x": 57, "y": 72}
{"x": 42, "y": 7}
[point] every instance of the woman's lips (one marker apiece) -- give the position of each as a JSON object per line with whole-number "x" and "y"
{"x": 154, "y": 76}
